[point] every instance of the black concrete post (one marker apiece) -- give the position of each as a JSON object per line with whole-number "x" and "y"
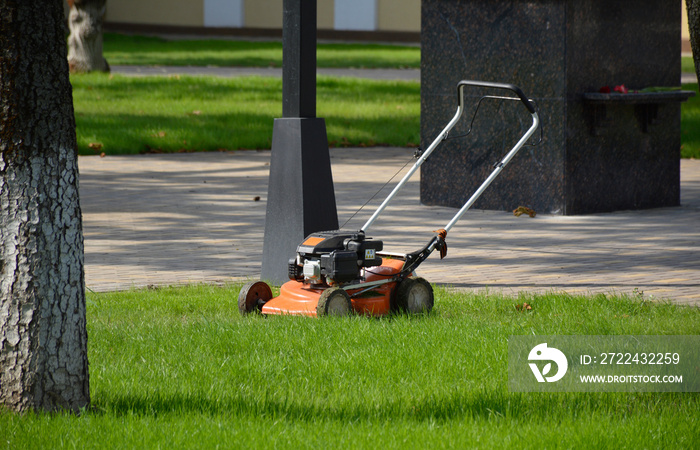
{"x": 301, "y": 198}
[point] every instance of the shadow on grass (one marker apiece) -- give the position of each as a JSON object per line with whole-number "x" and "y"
{"x": 479, "y": 404}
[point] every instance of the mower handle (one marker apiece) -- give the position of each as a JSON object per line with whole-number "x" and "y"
{"x": 488, "y": 84}
{"x": 443, "y": 136}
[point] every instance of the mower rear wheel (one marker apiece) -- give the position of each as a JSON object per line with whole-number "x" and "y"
{"x": 414, "y": 295}
{"x": 334, "y": 302}
{"x": 252, "y": 296}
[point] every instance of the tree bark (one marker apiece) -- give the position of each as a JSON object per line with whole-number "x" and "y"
{"x": 693, "y": 7}
{"x": 85, "y": 40}
{"x": 43, "y": 338}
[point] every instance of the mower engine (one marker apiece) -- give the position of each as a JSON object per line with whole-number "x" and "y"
{"x": 334, "y": 257}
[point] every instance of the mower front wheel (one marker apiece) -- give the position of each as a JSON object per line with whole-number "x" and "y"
{"x": 414, "y": 295}
{"x": 253, "y": 296}
{"x": 334, "y": 302}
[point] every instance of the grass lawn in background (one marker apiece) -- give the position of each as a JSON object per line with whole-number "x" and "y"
{"x": 687, "y": 64}
{"x": 153, "y": 51}
{"x": 180, "y": 368}
{"x": 120, "y": 49}
{"x": 117, "y": 114}
{"x": 690, "y": 124}
{"x": 172, "y": 114}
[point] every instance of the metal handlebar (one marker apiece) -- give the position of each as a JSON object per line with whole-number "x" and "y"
{"x": 488, "y": 84}
{"x": 445, "y": 132}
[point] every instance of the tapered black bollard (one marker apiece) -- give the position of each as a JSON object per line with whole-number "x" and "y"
{"x": 301, "y": 198}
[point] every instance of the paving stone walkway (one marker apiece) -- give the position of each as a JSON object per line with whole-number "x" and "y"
{"x": 199, "y": 217}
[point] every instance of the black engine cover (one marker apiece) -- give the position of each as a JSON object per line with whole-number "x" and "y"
{"x": 340, "y": 266}
{"x": 341, "y": 254}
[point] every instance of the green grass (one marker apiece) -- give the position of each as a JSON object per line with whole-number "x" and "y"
{"x": 687, "y": 64}
{"x": 173, "y": 114}
{"x": 139, "y": 50}
{"x": 176, "y": 113}
{"x": 179, "y": 368}
{"x": 690, "y": 124}
{"x": 122, "y": 49}
{"x": 132, "y": 115}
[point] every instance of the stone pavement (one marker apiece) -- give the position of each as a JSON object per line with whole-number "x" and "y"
{"x": 199, "y": 217}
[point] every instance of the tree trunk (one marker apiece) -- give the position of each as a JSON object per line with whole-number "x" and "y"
{"x": 694, "y": 27}
{"x": 85, "y": 40}
{"x": 43, "y": 339}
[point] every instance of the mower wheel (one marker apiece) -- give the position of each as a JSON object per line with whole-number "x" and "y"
{"x": 414, "y": 295}
{"x": 252, "y": 296}
{"x": 334, "y": 302}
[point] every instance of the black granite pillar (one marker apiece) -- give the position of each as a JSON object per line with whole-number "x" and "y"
{"x": 594, "y": 157}
{"x": 299, "y": 58}
{"x": 301, "y": 197}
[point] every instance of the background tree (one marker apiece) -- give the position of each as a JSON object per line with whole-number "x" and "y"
{"x": 693, "y": 7}
{"x": 43, "y": 339}
{"x": 85, "y": 40}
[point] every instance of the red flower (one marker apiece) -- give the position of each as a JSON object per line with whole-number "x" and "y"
{"x": 621, "y": 89}
{"x": 605, "y": 90}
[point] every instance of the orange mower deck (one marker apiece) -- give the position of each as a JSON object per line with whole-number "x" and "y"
{"x": 297, "y": 298}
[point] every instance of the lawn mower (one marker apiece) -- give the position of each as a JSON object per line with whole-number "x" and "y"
{"x": 335, "y": 273}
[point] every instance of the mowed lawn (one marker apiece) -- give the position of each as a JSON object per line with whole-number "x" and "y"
{"x": 155, "y": 51}
{"x": 118, "y": 114}
{"x": 690, "y": 124}
{"x": 180, "y": 368}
